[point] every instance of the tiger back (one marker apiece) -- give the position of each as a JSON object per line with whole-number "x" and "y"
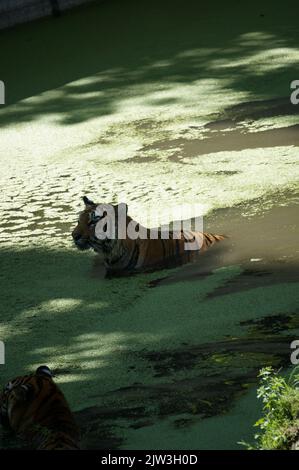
{"x": 34, "y": 407}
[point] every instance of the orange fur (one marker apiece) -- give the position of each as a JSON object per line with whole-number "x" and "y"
{"x": 127, "y": 255}
{"x": 37, "y": 411}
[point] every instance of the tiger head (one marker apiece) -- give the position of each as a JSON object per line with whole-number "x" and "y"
{"x": 18, "y": 395}
{"x": 84, "y": 234}
{"x": 83, "y": 230}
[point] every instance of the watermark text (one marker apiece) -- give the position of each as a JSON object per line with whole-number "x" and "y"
{"x": 295, "y": 354}
{"x": 295, "y": 94}
{"x": 2, "y": 353}
{"x": 111, "y": 222}
{"x": 2, "y": 92}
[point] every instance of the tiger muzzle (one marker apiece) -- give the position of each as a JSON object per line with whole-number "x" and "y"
{"x": 81, "y": 242}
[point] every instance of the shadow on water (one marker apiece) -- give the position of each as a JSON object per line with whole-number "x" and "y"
{"x": 133, "y": 43}
{"x": 230, "y": 132}
{"x": 229, "y": 141}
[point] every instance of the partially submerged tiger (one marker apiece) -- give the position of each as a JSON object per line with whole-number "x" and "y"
{"x": 124, "y": 255}
{"x": 36, "y": 410}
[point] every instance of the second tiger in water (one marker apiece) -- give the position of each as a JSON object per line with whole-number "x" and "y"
{"x": 34, "y": 408}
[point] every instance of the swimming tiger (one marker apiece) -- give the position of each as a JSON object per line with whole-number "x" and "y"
{"x": 124, "y": 255}
{"x": 36, "y": 410}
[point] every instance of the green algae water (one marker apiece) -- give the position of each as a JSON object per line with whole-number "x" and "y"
{"x": 153, "y": 105}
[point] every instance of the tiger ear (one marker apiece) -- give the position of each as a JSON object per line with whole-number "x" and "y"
{"x": 44, "y": 370}
{"x": 87, "y": 201}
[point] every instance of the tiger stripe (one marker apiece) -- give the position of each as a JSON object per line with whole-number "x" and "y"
{"x": 36, "y": 410}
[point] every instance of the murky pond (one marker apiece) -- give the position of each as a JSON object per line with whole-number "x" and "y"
{"x": 166, "y": 359}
